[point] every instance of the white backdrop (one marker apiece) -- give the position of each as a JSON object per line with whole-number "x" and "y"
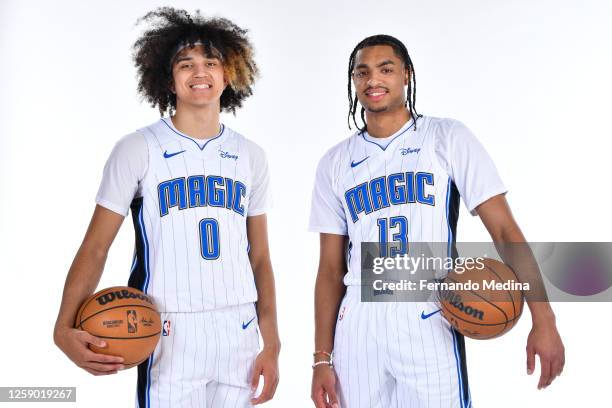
{"x": 531, "y": 80}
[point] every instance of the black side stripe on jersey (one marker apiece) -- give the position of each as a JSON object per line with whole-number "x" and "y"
{"x": 139, "y": 278}
{"x": 452, "y": 216}
{"x": 464, "y": 388}
{"x": 143, "y": 383}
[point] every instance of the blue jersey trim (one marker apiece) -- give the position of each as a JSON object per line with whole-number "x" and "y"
{"x": 148, "y": 396}
{"x": 143, "y": 231}
{"x": 450, "y": 231}
{"x": 189, "y": 138}
{"x": 392, "y": 140}
{"x": 458, "y": 364}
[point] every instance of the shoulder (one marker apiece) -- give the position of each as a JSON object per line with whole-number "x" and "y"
{"x": 440, "y": 126}
{"x": 132, "y": 143}
{"x": 245, "y": 143}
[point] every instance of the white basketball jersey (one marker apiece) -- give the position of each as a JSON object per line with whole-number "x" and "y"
{"x": 401, "y": 189}
{"x": 189, "y": 200}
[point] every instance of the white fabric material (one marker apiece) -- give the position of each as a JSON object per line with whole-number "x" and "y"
{"x": 387, "y": 356}
{"x": 123, "y": 172}
{"x": 467, "y": 163}
{"x": 443, "y": 150}
{"x": 189, "y": 199}
{"x": 202, "y": 360}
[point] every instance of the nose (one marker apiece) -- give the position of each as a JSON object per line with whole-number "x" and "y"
{"x": 373, "y": 82}
{"x": 201, "y": 72}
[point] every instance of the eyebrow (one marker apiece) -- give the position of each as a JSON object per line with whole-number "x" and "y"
{"x": 188, "y": 58}
{"x": 181, "y": 59}
{"x": 385, "y": 62}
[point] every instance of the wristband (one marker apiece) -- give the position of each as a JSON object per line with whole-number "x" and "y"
{"x": 318, "y": 363}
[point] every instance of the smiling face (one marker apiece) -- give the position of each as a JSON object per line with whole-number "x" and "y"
{"x": 379, "y": 77}
{"x": 198, "y": 79}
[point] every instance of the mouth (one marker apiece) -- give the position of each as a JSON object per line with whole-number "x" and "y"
{"x": 200, "y": 86}
{"x": 376, "y": 94}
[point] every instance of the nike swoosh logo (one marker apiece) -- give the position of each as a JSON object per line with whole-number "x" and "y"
{"x": 427, "y": 316}
{"x": 168, "y": 155}
{"x": 355, "y": 164}
{"x": 245, "y": 325}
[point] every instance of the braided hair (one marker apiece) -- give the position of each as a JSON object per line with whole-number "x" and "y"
{"x": 401, "y": 52}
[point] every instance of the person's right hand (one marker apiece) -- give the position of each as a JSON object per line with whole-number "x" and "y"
{"x": 323, "y": 392}
{"x": 75, "y": 344}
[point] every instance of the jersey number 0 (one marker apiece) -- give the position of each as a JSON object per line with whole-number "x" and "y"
{"x": 209, "y": 238}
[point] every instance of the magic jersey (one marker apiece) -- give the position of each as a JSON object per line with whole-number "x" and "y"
{"x": 401, "y": 189}
{"x": 189, "y": 200}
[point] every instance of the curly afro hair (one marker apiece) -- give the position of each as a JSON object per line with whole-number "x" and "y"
{"x": 171, "y": 29}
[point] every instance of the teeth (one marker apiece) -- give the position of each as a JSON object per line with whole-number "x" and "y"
{"x": 377, "y": 93}
{"x": 201, "y": 86}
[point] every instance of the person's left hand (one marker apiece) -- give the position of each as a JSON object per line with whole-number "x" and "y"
{"x": 545, "y": 341}
{"x": 266, "y": 364}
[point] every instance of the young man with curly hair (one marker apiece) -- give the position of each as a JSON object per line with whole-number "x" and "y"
{"x": 198, "y": 193}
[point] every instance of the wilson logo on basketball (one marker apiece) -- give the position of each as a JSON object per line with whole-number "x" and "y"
{"x": 455, "y": 300}
{"x": 121, "y": 294}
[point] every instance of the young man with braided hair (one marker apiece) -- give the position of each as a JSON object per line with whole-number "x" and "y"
{"x": 398, "y": 180}
{"x": 198, "y": 192}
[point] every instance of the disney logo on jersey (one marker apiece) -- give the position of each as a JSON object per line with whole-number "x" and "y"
{"x": 408, "y": 150}
{"x": 227, "y": 155}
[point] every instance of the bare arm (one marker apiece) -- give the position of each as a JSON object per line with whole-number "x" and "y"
{"x": 544, "y": 339}
{"x": 329, "y": 290}
{"x": 259, "y": 256}
{"x": 82, "y": 279}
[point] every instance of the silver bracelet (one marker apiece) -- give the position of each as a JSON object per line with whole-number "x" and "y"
{"x": 318, "y": 363}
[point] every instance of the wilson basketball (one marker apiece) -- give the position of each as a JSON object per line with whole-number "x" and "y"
{"x": 485, "y": 310}
{"x": 126, "y": 319}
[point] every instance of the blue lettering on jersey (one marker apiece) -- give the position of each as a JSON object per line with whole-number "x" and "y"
{"x": 394, "y": 189}
{"x": 201, "y": 191}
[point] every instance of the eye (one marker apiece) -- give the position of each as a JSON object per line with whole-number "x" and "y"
{"x": 387, "y": 70}
{"x": 211, "y": 64}
{"x": 360, "y": 74}
{"x": 185, "y": 66}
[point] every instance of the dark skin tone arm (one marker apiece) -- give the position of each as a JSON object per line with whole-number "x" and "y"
{"x": 82, "y": 280}
{"x": 544, "y": 339}
{"x": 329, "y": 291}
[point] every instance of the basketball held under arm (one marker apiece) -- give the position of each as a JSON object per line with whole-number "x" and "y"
{"x": 82, "y": 279}
{"x": 544, "y": 339}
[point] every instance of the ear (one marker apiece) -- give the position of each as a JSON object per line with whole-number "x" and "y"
{"x": 171, "y": 86}
{"x": 406, "y": 76}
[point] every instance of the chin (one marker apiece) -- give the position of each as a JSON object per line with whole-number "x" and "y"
{"x": 378, "y": 109}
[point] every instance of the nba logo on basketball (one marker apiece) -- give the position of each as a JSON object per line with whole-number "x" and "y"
{"x": 166, "y": 328}
{"x": 132, "y": 321}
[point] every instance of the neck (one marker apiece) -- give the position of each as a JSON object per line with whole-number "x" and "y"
{"x": 199, "y": 123}
{"x": 384, "y": 124}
